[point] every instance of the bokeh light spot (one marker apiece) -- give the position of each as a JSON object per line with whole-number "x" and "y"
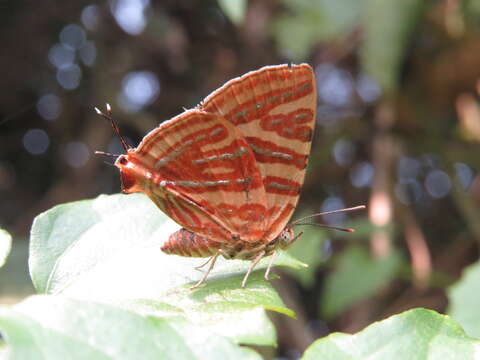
{"x": 334, "y": 85}
{"x": 69, "y": 77}
{"x": 90, "y": 17}
{"x": 333, "y": 203}
{"x": 73, "y": 36}
{"x": 343, "y": 152}
{"x": 465, "y": 174}
{"x": 368, "y": 89}
{"x": 76, "y": 154}
{"x": 49, "y": 106}
{"x": 36, "y": 141}
{"x": 139, "y": 88}
{"x": 408, "y": 167}
{"x": 361, "y": 174}
{"x": 88, "y": 53}
{"x": 130, "y": 15}
{"x": 61, "y": 56}
{"x": 438, "y": 183}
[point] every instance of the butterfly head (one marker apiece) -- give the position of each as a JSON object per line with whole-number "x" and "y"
{"x": 128, "y": 173}
{"x": 286, "y": 238}
{"x": 125, "y": 162}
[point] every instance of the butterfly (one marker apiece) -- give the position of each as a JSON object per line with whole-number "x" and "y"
{"x": 230, "y": 170}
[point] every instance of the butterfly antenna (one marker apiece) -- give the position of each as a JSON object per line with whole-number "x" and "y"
{"x": 115, "y": 127}
{"x": 299, "y": 221}
{"x": 355, "y": 208}
{"x": 106, "y": 154}
{"x": 106, "y": 162}
{"x": 327, "y": 227}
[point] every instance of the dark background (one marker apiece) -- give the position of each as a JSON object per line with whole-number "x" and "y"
{"x": 398, "y": 129}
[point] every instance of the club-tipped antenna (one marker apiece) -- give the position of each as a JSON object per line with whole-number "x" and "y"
{"x": 106, "y": 154}
{"x": 355, "y": 208}
{"x": 115, "y": 127}
{"x": 327, "y": 227}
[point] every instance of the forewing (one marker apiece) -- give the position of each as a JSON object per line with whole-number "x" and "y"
{"x": 204, "y": 175}
{"x": 275, "y": 109}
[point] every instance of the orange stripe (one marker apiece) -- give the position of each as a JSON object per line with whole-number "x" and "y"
{"x": 282, "y": 186}
{"x": 249, "y": 110}
{"x": 174, "y": 125}
{"x": 269, "y": 152}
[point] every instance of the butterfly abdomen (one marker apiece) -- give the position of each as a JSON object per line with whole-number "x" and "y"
{"x": 186, "y": 243}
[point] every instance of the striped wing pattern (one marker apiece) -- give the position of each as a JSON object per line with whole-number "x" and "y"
{"x": 204, "y": 175}
{"x": 231, "y": 169}
{"x": 274, "y": 108}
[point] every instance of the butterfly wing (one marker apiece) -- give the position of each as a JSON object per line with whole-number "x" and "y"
{"x": 275, "y": 109}
{"x": 201, "y": 172}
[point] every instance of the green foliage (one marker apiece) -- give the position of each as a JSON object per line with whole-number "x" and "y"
{"x": 105, "y": 245}
{"x": 107, "y": 292}
{"x": 464, "y": 303}
{"x": 388, "y": 25}
{"x": 471, "y": 8}
{"x": 356, "y": 277}
{"x": 309, "y": 248}
{"x": 5, "y": 246}
{"x": 308, "y": 22}
{"x": 103, "y": 255}
{"x": 234, "y": 9}
{"x": 110, "y": 293}
{"x": 415, "y": 334}
{"x": 54, "y": 327}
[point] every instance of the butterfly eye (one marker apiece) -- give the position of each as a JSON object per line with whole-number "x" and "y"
{"x": 123, "y": 160}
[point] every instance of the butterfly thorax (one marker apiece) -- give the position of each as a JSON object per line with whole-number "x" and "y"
{"x": 131, "y": 173}
{"x": 137, "y": 174}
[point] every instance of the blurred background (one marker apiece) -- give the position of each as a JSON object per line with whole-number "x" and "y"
{"x": 398, "y": 129}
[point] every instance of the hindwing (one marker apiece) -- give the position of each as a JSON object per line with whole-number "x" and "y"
{"x": 275, "y": 109}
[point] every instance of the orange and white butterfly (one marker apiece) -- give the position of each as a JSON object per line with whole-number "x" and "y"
{"x": 230, "y": 170}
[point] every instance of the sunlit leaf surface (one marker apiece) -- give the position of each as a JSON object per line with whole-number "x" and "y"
{"x": 463, "y": 300}
{"x": 55, "y": 327}
{"x": 104, "y": 255}
{"x": 415, "y": 335}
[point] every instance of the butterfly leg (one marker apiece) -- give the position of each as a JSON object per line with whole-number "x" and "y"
{"x": 255, "y": 261}
{"x": 212, "y": 260}
{"x": 205, "y": 263}
{"x": 270, "y": 263}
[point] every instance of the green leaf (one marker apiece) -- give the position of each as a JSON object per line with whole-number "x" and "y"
{"x": 108, "y": 250}
{"x": 356, "y": 277}
{"x": 234, "y": 9}
{"x": 309, "y": 22}
{"x": 219, "y": 306}
{"x": 387, "y": 26}
{"x": 5, "y": 246}
{"x": 415, "y": 335}
{"x": 464, "y": 302}
{"x": 471, "y": 9}
{"x": 309, "y": 248}
{"x": 54, "y": 327}
{"x": 111, "y": 243}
